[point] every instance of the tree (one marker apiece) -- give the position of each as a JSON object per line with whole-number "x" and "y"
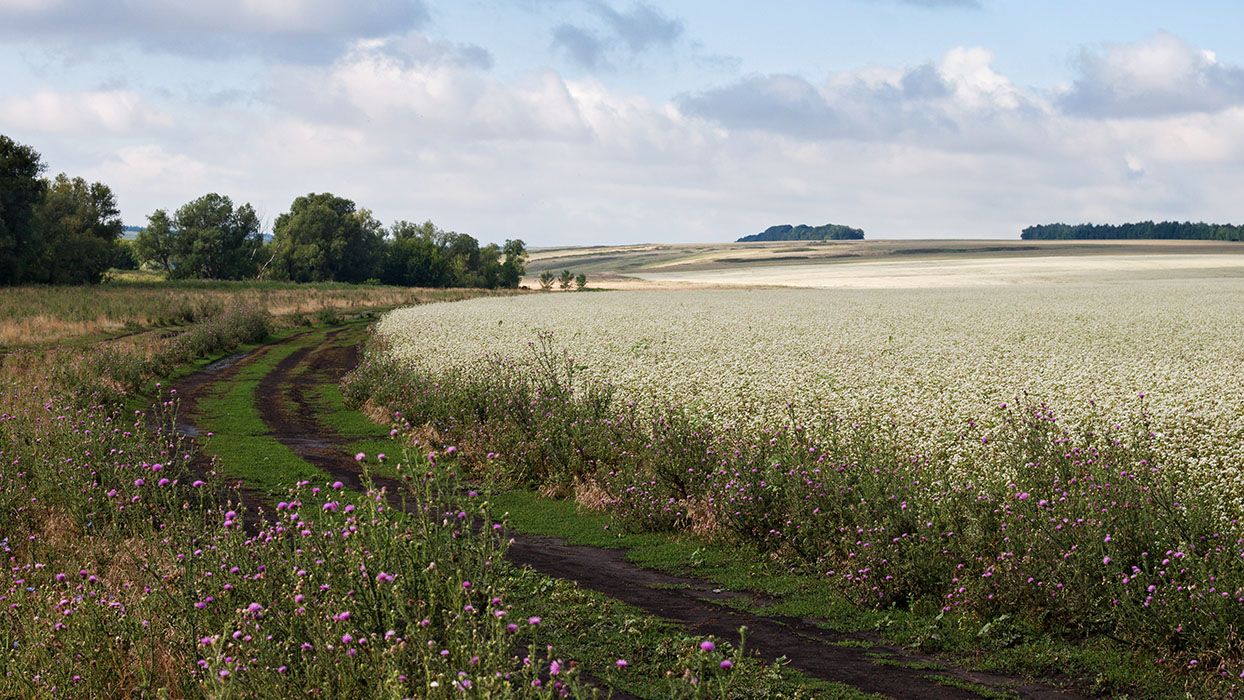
{"x": 512, "y": 269}
{"x": 21, "y": 191}
{"x": 567, "y": 277}
{"x": 580, "y": 282}
{"x": 412, "y": 257}
{"x": 546, "y": 280}
{"x": 77, "y": 225}
{"x": 157, "y": 243}
{"x": 215, "y": 241}
{"x": 123, "y": 257}
{"x": 324, "y": 238}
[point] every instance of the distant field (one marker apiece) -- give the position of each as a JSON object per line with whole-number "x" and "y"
{"x": 871, "y": 264}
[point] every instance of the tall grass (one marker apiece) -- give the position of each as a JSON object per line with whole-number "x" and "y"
{"x": 131, "y": 573}
{"x": 41, "y": 315}
{"x": 1074, "y": 532}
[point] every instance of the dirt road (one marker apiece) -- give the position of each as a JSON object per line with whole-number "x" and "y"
{"x": 283, "y": 399}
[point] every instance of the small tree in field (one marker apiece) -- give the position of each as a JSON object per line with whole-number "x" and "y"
{"x": 580, "y": 282}
{"x": 546, "y": 280}
{"x": 566, "y": 278}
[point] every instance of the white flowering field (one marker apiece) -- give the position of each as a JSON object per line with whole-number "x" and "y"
{"x": 930, "y": 359}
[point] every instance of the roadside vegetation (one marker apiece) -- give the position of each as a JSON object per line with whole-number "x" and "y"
{"x": 131, "y": 573}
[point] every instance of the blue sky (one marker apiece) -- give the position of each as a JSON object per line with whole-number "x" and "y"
{"x": 614, "y": 121}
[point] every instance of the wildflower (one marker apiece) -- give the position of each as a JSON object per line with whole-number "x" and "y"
{"x": 707, "y": 645}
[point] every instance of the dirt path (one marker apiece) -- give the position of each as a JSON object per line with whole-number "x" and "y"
{"x": 886, "y": 670}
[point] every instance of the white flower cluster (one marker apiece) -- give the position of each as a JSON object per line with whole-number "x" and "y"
{"x": 928, "y": 359}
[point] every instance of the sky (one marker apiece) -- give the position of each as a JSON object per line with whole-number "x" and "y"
{"x": 600, "y": 122}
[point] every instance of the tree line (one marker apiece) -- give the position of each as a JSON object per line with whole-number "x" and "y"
{"x": 804, "y": 232}
{"x": 67, "y": 231}
{"x": 1135, "y": 231}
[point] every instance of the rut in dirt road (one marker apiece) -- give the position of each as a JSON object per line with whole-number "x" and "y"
{"x": 886, "y": 670}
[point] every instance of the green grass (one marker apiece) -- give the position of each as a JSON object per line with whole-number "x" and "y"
{"x": 239, "y": 437}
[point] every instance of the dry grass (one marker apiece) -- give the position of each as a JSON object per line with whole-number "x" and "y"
{"x": 41, "y": 316}
{"x": 589, "y": 495}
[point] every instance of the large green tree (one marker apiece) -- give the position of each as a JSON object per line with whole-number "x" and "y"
{"x": 76, "y": 228}
{"x": 323, "y": 238}
{"x": 412, "y": 257}
{"x": 213, "y": 240}
{"x": 156, "y": 242}
{"x": 21, "y": 190}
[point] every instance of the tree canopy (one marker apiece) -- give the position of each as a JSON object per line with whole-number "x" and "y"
{"x": 1143, "y": 230}
{"x": 215, "y": 241}
{"x": 423, "y": 255}
{"x": 803, "y": 232}
{"x": 66, "y": 231}
{"x": 324, "y": 238}
{"x": 21, "y": 190}
{"x": 77, "y": 225}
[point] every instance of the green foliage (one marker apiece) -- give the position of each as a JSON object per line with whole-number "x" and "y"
{"x": 512, "y": 269}
{"x": 422, "y": 255}
{"x": 213, "y": 240}
{"x": 21, "y": 190}
{"x": 156, "y": 243}
{"x": 1144, "y": 230}
{"x": 546, "y": 280}
{"x": 566, "y": 279}
{"x": 123, "y": 257}
{"x": 803, "y": 232}
{"x": 76, "y": 228}
{"x": 326, "y": 238}
{"x": 580, "y": 282}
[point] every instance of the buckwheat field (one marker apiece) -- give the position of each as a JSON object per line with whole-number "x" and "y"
{"x": 926, "y": 360}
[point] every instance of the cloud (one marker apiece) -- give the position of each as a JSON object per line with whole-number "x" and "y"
{"x": 581, "y": 46}
{"x": 81, "y": 113}
{"x": 298, "y": 29}
{"x": 960, "y": 97}
{"x": 641, "y": 27}
{"x": 1158, "y": 76}
{"x": 621, "y": 35}
{"x": 784, "y": 104}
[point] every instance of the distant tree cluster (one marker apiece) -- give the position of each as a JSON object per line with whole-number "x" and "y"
{"x": 803, "y": 232}
{"x": 1144, "y": 230}
{"x": 67, "y": 231}
{"x": 59, "y": 231}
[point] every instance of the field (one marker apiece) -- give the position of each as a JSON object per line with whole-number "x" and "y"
{"x": 812, "y": 263}
{"x": 1038, "y": 479}
{"x": 1052, "y": 441}
{"x": 34, "y": 316}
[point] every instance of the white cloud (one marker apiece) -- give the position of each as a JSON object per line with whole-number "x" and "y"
{"x": 414, "y": 127}
{"x": 82, "y": 113}
{"x": 302, "y": 29}
{"x": 1159, "y": 75}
